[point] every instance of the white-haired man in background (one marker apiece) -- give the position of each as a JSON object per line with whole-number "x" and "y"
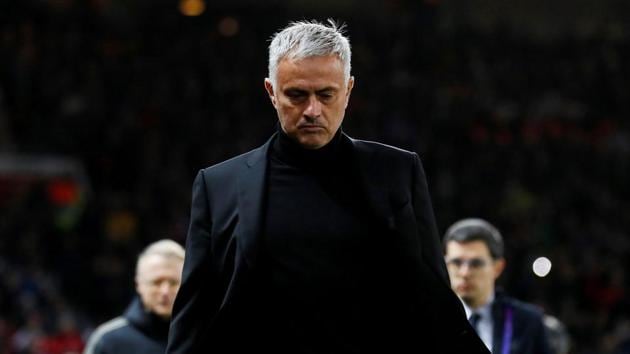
{"x": 143, "y": 328}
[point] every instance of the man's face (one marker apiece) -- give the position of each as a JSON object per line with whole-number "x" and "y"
{"x": 472, "y": 271}
{"x": 157, "y": 282}
{"x": 311, "y": 96}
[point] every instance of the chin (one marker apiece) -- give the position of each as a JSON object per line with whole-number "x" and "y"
{"x": 163, "y": 314}
{"x": 469, "y": 300}
{"x": 310, "y": 144}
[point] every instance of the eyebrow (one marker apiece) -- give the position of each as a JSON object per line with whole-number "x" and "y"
{"x": 301, "y": 90}
{"x": 327, "y": 90}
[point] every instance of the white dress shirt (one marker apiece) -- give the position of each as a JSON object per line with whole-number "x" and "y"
{"x": 485, "y": 323}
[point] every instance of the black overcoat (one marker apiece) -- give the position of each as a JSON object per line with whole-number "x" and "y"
{"x": 223, "y": 242}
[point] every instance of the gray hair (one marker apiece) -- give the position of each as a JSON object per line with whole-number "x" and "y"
{"x": 474, "y": 229}
{"x": 165, "y": 248}
{"x": 304, "y": 39}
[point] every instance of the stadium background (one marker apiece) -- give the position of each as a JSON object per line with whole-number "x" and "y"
{"x": 108, "y": 108}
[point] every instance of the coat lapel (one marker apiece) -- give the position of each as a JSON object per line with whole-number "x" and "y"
{"x": 373, "y": 183}
{"x": 251, "y": 192}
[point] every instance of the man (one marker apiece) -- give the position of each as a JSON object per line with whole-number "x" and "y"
{"x": 315, "y": 242}
{"x": 474, "y": 258}
{"x": 143, "y": 329}
{"x": 559, "y": 338}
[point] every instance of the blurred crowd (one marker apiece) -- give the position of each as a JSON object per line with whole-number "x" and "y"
{"x": 530, "y": 134}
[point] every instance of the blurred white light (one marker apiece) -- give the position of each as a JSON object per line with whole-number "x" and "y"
{"x": 541, "y": 266}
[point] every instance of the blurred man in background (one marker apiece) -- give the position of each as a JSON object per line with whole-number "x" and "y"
{"x": 143, "y": 328}
{"x": 475, "y": 259}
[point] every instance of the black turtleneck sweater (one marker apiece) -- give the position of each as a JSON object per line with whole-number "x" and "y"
{"x": 317, "y": 243}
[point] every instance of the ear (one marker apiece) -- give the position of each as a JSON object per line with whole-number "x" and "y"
{"x": 499, "y": 266}
{"x": 270, "y": 91}
{"x": 349, "y": 89}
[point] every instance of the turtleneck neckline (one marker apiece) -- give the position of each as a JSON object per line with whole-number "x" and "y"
{"x": 291, "y": 152}
{"x": 147, "y": 321}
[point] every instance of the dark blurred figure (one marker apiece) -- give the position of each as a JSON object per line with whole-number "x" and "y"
{"x": 474, "y": 258}
{"x": 624, "y": 347}
{"x": 143, "y": 329}
{"x": 558, "y": 335}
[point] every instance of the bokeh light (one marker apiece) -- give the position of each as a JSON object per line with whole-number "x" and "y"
{"x": 192, "y": 7}
{"x": 542, "y": 266}
{"x": 228, "y": 27}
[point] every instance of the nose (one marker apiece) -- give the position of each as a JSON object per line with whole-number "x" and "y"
{"x": 165, "y": 288}
{"x": 314, "y": 108}
{"x": 465, "y": 269}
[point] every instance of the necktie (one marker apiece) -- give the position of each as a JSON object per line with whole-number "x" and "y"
{"x": 474, "y": 319}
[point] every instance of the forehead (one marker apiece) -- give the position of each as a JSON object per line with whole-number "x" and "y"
{"x": 311, "y": 71}
{"x": 467, "y": 249}
{"x": 154, "y": 265}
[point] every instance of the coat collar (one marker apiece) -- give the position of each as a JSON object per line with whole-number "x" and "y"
{"x": 252, "y": 188}
{"x": 146, "y": 321}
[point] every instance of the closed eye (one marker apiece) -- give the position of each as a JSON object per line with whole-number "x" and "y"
{"x": 295, "y": 94}
{"x": 326, "y": 94}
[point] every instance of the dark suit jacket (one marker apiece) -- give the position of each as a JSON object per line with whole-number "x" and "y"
{"x": 228, "y": 201}
{"x": 528, "y": 331}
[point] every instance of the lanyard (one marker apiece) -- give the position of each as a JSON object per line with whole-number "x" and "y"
{"x": 507, "y": 331}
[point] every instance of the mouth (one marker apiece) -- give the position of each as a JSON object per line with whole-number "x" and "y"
{"x": 464, "y": 288}
{"x": 310, "y": 127}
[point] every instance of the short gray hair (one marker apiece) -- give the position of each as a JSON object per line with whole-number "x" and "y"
{"x": 165, "y": 248}
{"x": 304, "y": 39}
